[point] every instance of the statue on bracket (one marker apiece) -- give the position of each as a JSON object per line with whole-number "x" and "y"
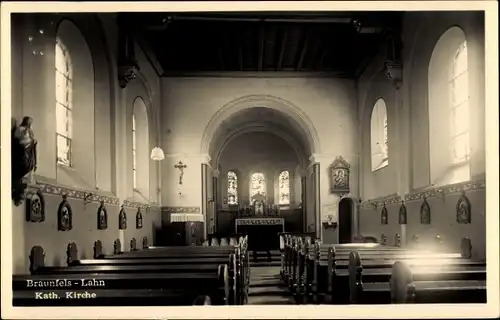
{"x": 35, "y": 207}
{"x": 122, "y": 219}
{"x": 402, "y": 214}
{"x": 425, "y": 212}
{"x": 64, "y": 215}
{"x": 384, "y": 216}
{"x": 340, "y": 170}
{"x": 102, "y": 217}
{"x": 138, "y": 219}
{"x": 23, "y": 158}
{"x": 463, "y": 210}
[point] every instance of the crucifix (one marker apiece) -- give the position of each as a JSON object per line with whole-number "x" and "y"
{"x": 181, "y": 166}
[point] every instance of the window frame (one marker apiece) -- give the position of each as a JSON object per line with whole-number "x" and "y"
{"x": 287, "y": 203}
{"x": 67, "y": 105}
{"x": 134, "y": 153}
{"x": 264, "y": 193}
{"x": 455, "y": 131}
{"x": 381, "y": 134}
{"x": 235, "y": 175}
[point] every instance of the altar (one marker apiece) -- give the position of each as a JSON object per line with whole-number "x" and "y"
{"x": 262, "y": 232}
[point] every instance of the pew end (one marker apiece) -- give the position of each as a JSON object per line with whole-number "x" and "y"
{"x": 98, "y": 252}
{"x": 214, "y": 242}
{"x": 355, "y": 269}
{"x": 71, "y": 253}
{"x": 224, "y": 280}
{"x": 37, "y": 258}
{"x": 117, "y": 246}
{"x": 466, "y": 248}
{"x": 145, "y": 243}
{"x": 133, "y": 244}
{"x": 401, "y": 283}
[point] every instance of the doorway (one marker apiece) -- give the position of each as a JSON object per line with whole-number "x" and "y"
{"x": 345, "y": 220}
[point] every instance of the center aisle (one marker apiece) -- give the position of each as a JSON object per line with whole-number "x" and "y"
{"x": 266, "y": 286}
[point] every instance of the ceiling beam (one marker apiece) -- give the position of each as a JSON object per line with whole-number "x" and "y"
{"x": 305, "y": 46}
{"x": 282, "y": 50}
{"x": 260, "y": 55}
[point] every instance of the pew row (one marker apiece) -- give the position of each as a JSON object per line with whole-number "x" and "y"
{"x": 180, "y": 279}
{"x": 313, "y": 278}
{"x": 127, "y": 289}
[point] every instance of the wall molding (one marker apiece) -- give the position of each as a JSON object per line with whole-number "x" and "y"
{"x": 139, "y": 205}
{"x": 430, "y": 192}
{"x": 180, "y": 210}
{"x": 438, "y": 192}
{"x": 47, "y": 188}
{"x": 75, "y": 193}
{"x": 380, "y": 202}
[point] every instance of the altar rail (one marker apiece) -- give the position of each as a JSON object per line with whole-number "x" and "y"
{"x": 226, "y": 220}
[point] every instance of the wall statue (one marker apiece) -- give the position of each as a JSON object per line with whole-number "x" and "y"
{"x": 122, "y": 219}
{"x": 384, "y": 219}
{"x": 23, "y": 157}
{"x": 35, "y": 207}
{"x": 403, "y": 216}
{"x": 463, "y": 210}
{"x": 138, "y": 219}
{"x": 425, "y": 212}
{"x": 102, "y": 217}
{"x": 64, "y": 215}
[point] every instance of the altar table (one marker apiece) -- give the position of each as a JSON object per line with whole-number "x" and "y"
{"x": 262, "y": 232}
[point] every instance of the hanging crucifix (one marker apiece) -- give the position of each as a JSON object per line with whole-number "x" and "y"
{"x": 181, "y": 166}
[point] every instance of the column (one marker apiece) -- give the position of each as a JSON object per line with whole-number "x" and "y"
{"x": 403, "y": 170}
{"x": 204, "y": 197}
{"x": 304, "y": 202}
{"x": 317, "y": 200}
{"x": 216, "y": 200}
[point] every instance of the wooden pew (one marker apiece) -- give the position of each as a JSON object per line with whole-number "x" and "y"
{"x": 327, "y": 280}
{"x": 295, "y": 255}
{"x": 122, "y": 290}
{"x": 160, "y": 287}
{"x": 411, "y": 281}
{"x": 290, "y": 256}
{"x": 187, "y": 256}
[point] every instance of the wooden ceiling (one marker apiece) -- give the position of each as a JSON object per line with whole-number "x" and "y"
{"x": 337, "y": 43}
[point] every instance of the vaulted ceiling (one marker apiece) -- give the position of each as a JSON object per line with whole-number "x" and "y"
{"x": 341, "y": 43}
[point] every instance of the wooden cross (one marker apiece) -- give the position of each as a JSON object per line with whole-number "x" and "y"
{"x": 181, "y": 166}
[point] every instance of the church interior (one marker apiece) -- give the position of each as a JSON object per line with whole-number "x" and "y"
{"x": 252, "y": 158}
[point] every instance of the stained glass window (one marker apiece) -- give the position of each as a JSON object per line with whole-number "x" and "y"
{"x": 232, "y": 188}
{"x": 134, "y": 154}
{"x": 459, "y": 89}
{"x": 64, "y": 117}
{"x": 284, "y": 188}
{"x": 257, "y": 185}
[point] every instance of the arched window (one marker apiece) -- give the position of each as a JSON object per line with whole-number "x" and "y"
{"x": 64, "y": 103}
{"x": 140, "y": 148}
{"x": 459, "y": 105}
{"x": 257, "y": 185}
{"x": 134, "y": 154}
{"x": 448, "y": 81}
{"x": 284, "y": 188}
{"x": 232, "y": 188}
{"x": 378, "y": 136}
